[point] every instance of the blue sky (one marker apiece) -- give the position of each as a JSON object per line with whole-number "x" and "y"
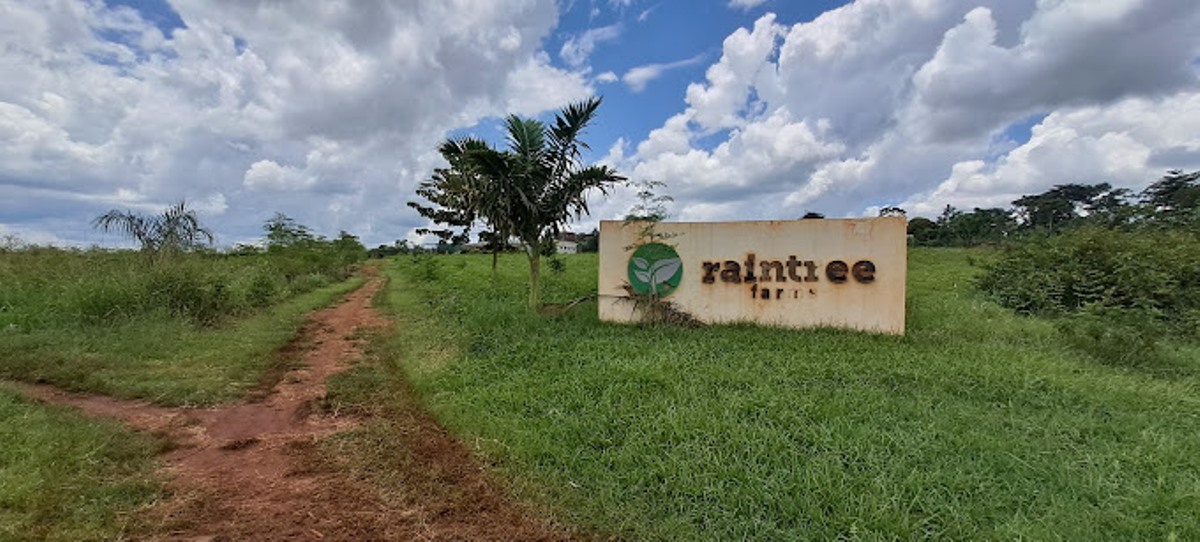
{"x": 331, "y": 111}
{"x": 665, "y": 32}
{"x": 684, "y": 36}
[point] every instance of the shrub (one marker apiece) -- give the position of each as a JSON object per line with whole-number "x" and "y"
{"x": 308, "y": 282}
{"x": 1119, "y": 292}
{"x": 429, "y": 269}
{"x": 263, "y": 287}
{"x": 187, "y": 292}
{"x": 1157, "y": 270}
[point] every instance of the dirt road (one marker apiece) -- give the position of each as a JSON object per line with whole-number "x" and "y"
{"x": 243, "y": 471}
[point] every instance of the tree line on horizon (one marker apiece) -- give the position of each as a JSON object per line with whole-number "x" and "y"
{"x": 1172, "y": 202}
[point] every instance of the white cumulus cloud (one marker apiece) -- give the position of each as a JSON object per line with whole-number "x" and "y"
{"x": 910, "y": 102}
{"x": 327, "y": 111}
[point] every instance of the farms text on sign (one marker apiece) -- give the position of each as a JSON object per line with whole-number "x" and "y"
{"x": 804, "y": 273}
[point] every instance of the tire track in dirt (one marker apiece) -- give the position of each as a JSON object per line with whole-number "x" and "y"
{"x": 238, "y": 471}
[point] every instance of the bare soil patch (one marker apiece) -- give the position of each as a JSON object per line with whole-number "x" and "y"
{"x": 250, "y": 471}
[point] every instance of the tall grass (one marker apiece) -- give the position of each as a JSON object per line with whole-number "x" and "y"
{"x": 978, "y": 424}
{"x": 196, "y": 328}
{"x": 55, "y": 288}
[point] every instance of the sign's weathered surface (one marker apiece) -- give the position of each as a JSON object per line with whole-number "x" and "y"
{"x": 803, "y": 273}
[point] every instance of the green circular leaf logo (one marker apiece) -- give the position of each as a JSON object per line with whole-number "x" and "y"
{"x": 655, "y": 269}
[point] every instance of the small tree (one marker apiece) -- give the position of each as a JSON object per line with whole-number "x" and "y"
{"x": 495, "y": 243}
{"x": 533, "y": 187}
{"x": 1061, "y": 205}
{"x": 650, "y": 209}
{"x": 922, "y": 230}
{"x": 284, "y": 232}
{"x": 176, "y": 229}
{"x": 1174, "y": 200}
{"x": 11, "y": 243}
{"x": 589, "y": 242}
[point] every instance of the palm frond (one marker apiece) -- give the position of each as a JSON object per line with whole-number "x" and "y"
{"x": 176, "y": 228}
{"x": 572, "y": 119}
{"x": 454, "y": 149}
{"x": 526, "y": 137}
{"x": 565, "y": 143}
{"x": 569, "y": 197}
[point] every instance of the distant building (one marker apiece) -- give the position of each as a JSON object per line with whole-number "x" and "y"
{"x": 566, "y": 247}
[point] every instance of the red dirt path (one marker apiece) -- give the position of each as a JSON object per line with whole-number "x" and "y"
{"x": 244, "y": 471}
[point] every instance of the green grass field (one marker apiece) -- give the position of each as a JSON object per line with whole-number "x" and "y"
{"x": 976, "y": 425}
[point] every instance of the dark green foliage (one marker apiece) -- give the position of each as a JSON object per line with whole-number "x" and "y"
{"x": 589, "y": 242}
{"x": 454, "y": 193}
{"x": 284, "y": 232}
{"x": 187, "y": 293}
{"x": 263, "y": 288}
{"x": 383, "y": 251}
{"x": 1135, "y": 282}
{"x": 955, "y": 228}
{"x": 295, "y": 251}
{"x": 1062, "y": 204}
{"x": 1174, "y": 201}
{"x": 920, "y": 228}
{"x": 1156, "y": 270}
{"x": 1123, "y": 277}
{"x": 1176, "y": 191}
{"x": 286, "y": 238}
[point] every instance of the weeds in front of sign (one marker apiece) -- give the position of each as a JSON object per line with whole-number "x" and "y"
{"x": 656, "y": 271}
{"x": 650, "y": 209}
{"x": 656, "y": 310}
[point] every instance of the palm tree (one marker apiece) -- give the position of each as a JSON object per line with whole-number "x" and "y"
{"x": 176, "y": 229}
{"x": 532, "y": 188}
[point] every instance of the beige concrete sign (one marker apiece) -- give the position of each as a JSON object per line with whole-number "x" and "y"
{"x": 846, "y": 273}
